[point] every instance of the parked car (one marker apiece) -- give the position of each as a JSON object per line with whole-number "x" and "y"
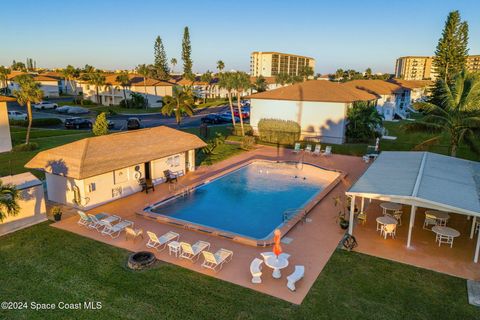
{"x": 133, "y": 123}
{"x": 17, "y": 115}
{"x": 77, "y": 123}
{"x": 212, "y": 118}
{"x": 45, "y": 105}
{"x": 111, "y": 124}
{"x": 63, "y": 109}
{"x": 245, "y": 113}
{"x": 77, "y": 110}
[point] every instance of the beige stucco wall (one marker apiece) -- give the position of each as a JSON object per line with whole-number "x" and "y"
{"x": 32, "y": 210}
{"x": 5, "y": 139}
{"x": 325, "y": 120}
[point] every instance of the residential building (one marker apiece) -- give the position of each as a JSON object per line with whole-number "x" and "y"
{"x": 422, "y": 68}
{"x": 31, "y": 203}
{"x": 63, "y": 85}
{"x": 5, "y": 138}
{"x": 419, "y": 89}
{"x": 320, "y": 107}
{"x": 392, "y": 98}
{"x": 49, "y": 86}
{"x": 93, "y": 171}
{"x": 112, "y": 92}
{"x": 270, "y": 64}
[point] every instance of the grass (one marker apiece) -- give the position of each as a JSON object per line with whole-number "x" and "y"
{"x": 47, "y": 265}
{"x": 212, "y": 103}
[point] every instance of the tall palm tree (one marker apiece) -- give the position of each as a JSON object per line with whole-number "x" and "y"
{"x": 124, "y": 81}
{"x": 180, "y": 103}
{"x": 29, "y": 91}
{"x": 9, "y": 197}
{"x": 283, "y": 79}
{"x": 70, "y": 74}
{"x": 207, "y": 77}
{"x": 4, "y": 72}
{"x": 457, "y": 115}
{"x": 241, "y": 84}
{"x": 220, "y": 66}
{"x": 173, "y": 62}
{"x": 96, "y": 79}
{"x": 227, "y": 82}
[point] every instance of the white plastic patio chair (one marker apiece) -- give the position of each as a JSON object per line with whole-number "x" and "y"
{"x": 430, "y": 220}
{"x": 115, "y": 230}
{"x": 328, "y": 151}
{"x": 256, "y": 270}
{"x": 297, "y": 148}
{"x": 192, "y": 252}
{"x": 308, "y": 149}
{"x": 160, "y": 243}
{"x": 389, "y": 230}
{"x": 318, "y": 150}
{"x": 216, "y": 261}
{"x": 292, "y": 279}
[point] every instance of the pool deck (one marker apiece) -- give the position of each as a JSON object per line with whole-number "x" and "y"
{"x": 313, "y": 241}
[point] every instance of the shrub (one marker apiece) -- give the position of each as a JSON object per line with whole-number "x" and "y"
{"x": 248, "y": 142}
{"x": 25, "y": 147}
{"x": 279, "y": 131}
{"x": 41, "y": 122}
{"x": 237, "y": 130}
{"x": 100, "y": 127}
{"x": 213, "y": 143}
{"x": 363, "y": 122}
{"x": 136, "y": 101}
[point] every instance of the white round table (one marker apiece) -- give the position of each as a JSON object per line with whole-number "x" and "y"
{"x": 276, "y": 264}
{"x": 441, "y": 216}
{"x": 445, "y": 235}
{"x": 390, "y": 206}
{"x": 387, "y": 220}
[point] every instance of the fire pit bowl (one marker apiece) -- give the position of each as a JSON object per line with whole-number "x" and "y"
{"x": 140, "y": 260}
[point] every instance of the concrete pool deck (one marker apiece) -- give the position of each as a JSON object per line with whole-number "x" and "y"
{"x": 313, "y": 242}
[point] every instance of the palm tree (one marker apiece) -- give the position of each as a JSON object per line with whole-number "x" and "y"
{"x": 9, "y": 197}
{"x": 173, "y": 62}
{"x": 457, "y": 115}
{"x": 220, "y": 66}
{"x": 260, "y": 84}
{"x": 363, "y": 122}
{"x": 70, "y": 74}
{"x": 241, "y": 84}
{"x": 124, "y": 81}
{"x": 180, "y": 103}
{"x": 207, "y": 77}
{"x": 29, "y": 91}
{"x": 96, "y": 79}
{"x": 144, "y": 71}
{"x": 339, "y": 74}
{"x": 227, "y": 82}
{"x": 4, "y": 72}
{"x": 282, "y": 79}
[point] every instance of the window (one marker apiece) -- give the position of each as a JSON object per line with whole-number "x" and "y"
{"x": 92, "y": 187}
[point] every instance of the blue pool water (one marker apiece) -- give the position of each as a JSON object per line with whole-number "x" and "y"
{"x": 249, "y": 201}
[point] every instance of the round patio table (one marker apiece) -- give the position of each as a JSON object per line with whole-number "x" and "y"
{"x": 440, "y": 216}
{"x": 445, "y": 235}
{"x": 387, "y": 220}
{"x": 390, "y": 206}
{"x": 276, "y": 264}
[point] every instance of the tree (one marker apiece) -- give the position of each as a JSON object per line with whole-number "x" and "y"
{"x": 9, "y": 196}
{"x": 207, "y": 77}
{"x": 161, "y": 62}
{"x": 363, "y": 121}
{"x": 18, "y": 66}
{"x": 227, "y": 82}
{"x": 339, "y": 74}
{"x": 260, "y": 84}
{"x": 100, "y": 127}
{"x": 305, "y": 72}
{"x": 186, "y": 54}
{"x": 29, "y": 91}
{"x": 4, "y": 72}
{"x": 97, "y": 79}
{"x": 144, "y": 71}
{"x": 220, "y": 66}
{"x": 70, "y": 74}
{"x": 88, "y": 69}
{"x": 368, "y": 73}
{"x": 457, "y": 115}
{"x": 124, "y": 80}
{"x": 241, "y": 83}
{"x": 180, "y": 104}
{"x": 282, "y": 79}
{"x": 173, "y": 62}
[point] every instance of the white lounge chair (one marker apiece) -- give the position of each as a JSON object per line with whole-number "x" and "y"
{"x": 297, "y": 148}
{"x": 98, "y": 223}
{"x": 85, "y": 220}
{"x": 308, "y": 149}
{"x": 192, "y": 253}
{"x": 327, "y": 151}
{"x": 214, "y": 261}
{"x": 318, "y": 150}
{"x": 256, "y": 270}
{"x": 115, "y": 230}
{"x": 295, "y": 276}
{"x": 160, "y": 243}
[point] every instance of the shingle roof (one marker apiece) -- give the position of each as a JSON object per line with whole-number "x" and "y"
{"x": 136, "y": 80}
{"x": 93, "y": 156}
{"x": 412, "y": 84}
{"x": 376, "y": 86}
{"x": 314, "y": 90}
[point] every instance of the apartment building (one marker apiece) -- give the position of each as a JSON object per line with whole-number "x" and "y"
{"x": 473, "y": 63}
{"x": 270, "y": 64}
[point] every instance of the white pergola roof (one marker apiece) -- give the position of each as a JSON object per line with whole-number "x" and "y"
{"x": 422, "y": 179}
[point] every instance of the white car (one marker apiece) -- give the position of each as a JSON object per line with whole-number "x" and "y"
{"x": 17, "y": 115}
{"x": 45, "y": 105}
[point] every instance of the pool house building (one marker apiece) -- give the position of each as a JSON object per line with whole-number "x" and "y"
{"x": 97, "y": 170}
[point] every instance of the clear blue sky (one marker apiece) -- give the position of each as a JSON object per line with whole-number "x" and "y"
{"x": 120, "y": 34}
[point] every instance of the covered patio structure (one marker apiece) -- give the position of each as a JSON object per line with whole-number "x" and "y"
{"x": 421, "y": 180}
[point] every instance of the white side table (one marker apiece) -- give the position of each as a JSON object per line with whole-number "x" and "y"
{"x": 174, "y": 248}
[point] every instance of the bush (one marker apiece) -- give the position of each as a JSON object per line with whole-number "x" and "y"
{"x": 100, "y": 127}
{"x": 25, "y": 147}
{"x": 248, "y": 142}
{"x": 237, "y": 130}
{"x": 42, "y": 122}
{"x": 279, "y": 131}
{"x": 136, "y": 101}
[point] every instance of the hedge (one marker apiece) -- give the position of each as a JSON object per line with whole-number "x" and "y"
{"x": 41, "y": 122}
{"x": 25, "y": 147}
{"x": 279, "y": 131}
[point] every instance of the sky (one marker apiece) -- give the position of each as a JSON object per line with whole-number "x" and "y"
{"x": 120, "y": 34}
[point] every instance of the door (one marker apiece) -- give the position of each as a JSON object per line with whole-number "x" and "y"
{"x": 147, "y": 171}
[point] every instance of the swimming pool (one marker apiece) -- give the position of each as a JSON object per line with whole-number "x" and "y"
{"x": 250, "y": 201}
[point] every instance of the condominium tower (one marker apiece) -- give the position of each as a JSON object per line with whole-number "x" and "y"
{"x": 269, "y": 64}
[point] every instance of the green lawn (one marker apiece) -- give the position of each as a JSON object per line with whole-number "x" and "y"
{"x": 47, "y": 265}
